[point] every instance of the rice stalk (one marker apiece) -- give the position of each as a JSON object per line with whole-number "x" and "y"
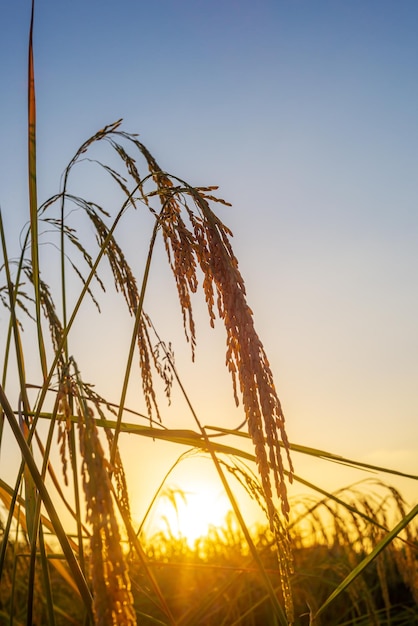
{"x": 47, "y": 501}
{"x": 208, "y": 245}
{"x": 112, "y": 599}
{"x": 139, "y": 337}
{"x": 179, "y": 239}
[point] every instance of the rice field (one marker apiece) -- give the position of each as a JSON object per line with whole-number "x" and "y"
{"x": 215, "y": 580}
{"x": 333, "y": 558}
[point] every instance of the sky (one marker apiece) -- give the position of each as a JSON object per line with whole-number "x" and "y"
{"x": 305, "y": 115}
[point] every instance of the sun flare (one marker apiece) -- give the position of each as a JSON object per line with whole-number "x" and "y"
{"x": 190, "y": 513}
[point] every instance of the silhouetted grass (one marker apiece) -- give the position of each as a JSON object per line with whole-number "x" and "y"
{"x": 216, "y": 581}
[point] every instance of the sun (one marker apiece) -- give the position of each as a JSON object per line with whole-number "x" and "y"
{"x": 190, "y": 513}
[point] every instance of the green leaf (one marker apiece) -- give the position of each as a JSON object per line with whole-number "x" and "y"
{"x": 367, "y": 560}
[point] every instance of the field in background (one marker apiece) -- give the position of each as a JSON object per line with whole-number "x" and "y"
{"x": 214, "y": 581}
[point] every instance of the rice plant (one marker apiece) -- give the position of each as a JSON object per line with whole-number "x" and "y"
{"x": 68, "y": 434}
{"x": 329, "y": 542}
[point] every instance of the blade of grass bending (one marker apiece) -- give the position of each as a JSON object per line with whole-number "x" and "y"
{"x": 49, "y": 506}
{"x": 328, "y": 456}
{"x": 367, "y": 560}
{"x": 37, "y": 525}
{"x": 187, "y": 437}
{"x": 191, "y": 438}
{"x": 33, "y": 196}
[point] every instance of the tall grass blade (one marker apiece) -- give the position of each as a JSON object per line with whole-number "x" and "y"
{"x": 6, "y": 494}
{"x": 12, "y": 296}
{"x": 193, "y": 439}
{"x": 30, "y": 489}
{"x": 46, "y": 580}
{"x": 24, "y": 408}
{"x": 138, "y": 316}
{"x": 33, "y": 196}
{"x": 322, "y": 454}
{"x": 356, "y": 571}
{"x": 46, "y": 498}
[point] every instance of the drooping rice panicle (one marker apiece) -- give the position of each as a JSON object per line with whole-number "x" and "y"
{"x": 112, "y": 597}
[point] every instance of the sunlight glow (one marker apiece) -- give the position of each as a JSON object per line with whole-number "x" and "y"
{"x": 190, "y": 514}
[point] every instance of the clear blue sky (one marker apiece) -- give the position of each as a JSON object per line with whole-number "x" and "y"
{"x": 305, "y": 113}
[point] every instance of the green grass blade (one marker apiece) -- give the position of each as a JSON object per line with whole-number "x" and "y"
{"x": 77, "y": 500}
{"x": 46, "y": 498}
{"x": 84, "y": 291}
{"x": 329, "y": 456}
{"x": 191, "y": 438}
{"x": 46, "y": 580}
{"x": 12, "y": 294}
{"x": 356, "y": 571}
{"x": 33, "y": 196}
{"x": 138, "y": 315}
{"x": 30, "y": 491}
